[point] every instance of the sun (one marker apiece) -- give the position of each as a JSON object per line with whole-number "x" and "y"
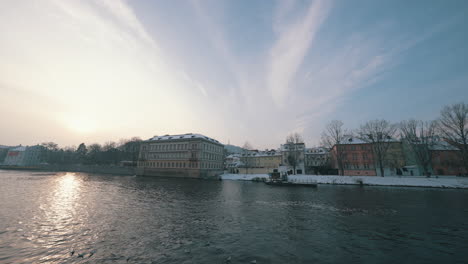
{"x": 81, "y": 125}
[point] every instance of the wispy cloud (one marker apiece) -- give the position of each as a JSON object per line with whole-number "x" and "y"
{"x": 217, "y": 38}
{"x": 126, "y": 16}
{"x": 259, "y": 71}
{"x": 289, "y": 51}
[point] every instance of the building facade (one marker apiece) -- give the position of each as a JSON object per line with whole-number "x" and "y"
{"x": 187, "y": 155}
{"x": 23, "y": 156}
{"x": 394, "y": 162}
{"x": 232, "y": 163}
{"x": 411, "y": 168}
{"x": 446, "y": 160}
{"x": 294, "y": 153}
{"x": 317, "y": 160}
{"x": 259, "y": 162}
{"x": 358, "y": 159}
{"x": 3, "y": 153}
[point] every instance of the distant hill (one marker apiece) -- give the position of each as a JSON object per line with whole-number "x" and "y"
{"x": 5, "y": 147}
{"x": 231, "y": 149}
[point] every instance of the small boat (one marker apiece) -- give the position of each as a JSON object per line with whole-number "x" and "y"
{"x": 276, "y": 179}
{"x": 288, "y": 183}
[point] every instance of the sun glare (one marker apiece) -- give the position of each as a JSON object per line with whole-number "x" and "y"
{"x": 81, "y": 125}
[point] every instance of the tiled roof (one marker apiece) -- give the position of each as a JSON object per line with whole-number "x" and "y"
{"x": 182, "y": 136}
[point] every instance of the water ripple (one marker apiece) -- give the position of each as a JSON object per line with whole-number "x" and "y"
{"x": 81, "y": 218}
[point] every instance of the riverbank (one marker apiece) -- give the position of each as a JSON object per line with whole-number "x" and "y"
{"x": 440, "y": 182}
{"x": 101, "y": 169}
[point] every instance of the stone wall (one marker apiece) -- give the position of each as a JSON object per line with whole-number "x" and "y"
{"x": 179, "y": 173}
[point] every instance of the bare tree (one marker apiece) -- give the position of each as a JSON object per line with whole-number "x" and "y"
{"x": 293, "y": 142}
{"x": 50, "y": 152}
{"x": 420, "y": 137}
{"x": 247, "y": 146}
{"x": 246, "y": 156}
{"x": 453, "y": 126}
{"x": 131, "y": 148}
{"x": 94, "y": 153}
{"x": 109, "y": 145}
{"x": 81, "y": 152}
{"x": 380, "y": 134}
{"x": 333, "y": 136}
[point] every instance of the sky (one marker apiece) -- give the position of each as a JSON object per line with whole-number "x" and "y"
{"x": 96, "y": 71}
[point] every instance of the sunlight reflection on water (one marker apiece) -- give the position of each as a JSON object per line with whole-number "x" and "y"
{"x": 82, "y": 218}
{"x": 60, "y": 220}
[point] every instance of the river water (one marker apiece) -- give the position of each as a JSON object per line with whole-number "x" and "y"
{"x": 82, "y": 218}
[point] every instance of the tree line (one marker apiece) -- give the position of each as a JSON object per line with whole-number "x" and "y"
{"x": 421, "y": 136}
{"x": 108, "y": 153}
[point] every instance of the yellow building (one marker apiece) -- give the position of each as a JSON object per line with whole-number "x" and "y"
{"x": 187, "y": 155}
{"x": 259, "y": 162}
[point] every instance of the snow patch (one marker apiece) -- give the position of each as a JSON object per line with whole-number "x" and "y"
{"x": 440, "y": 182}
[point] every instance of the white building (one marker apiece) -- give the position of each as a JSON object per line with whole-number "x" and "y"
{"x": 294, "y": 153}
{"x": 187, "y": 155}
{"x": 316, "y": 158}
{"x": 23, "y": 156}
{"x": 232, "y": 163}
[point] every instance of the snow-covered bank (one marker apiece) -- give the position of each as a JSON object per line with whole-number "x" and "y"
{"x": 243, "y": 177}
{"x": 441, "y": 182}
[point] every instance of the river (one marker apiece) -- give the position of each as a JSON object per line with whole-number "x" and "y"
{"x": 83, "y": 218}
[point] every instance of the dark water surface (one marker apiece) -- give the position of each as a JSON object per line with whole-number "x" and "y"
{"x": 81, "y": 218}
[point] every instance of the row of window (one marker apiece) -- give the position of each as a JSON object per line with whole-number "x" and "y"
{"x": 175, "y": 164}
{"x": 212, "y": 148}
{"x": 176, "y": 155}
{"x": 182, "y": 155}
{"x": 316, "y": 158}
{"x": 183, "y": 146}
{"x": 354, "y": 147}
{"x": 315, "y": 163}
{"x": 172, "y": 146}
{"x": 357, "y": 166}
{"x": 211, "y": 156}
{"x": 355, "y": 156}
{"x": 262, "y": 157}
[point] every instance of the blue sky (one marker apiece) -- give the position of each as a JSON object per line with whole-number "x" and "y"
{"x": 237, "y": 71}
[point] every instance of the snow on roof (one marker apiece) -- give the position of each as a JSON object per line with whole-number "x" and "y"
{"x": 183, "y": 136}
{"x": 235, "y": 164}
{"x": 22, "y": 148}
{"x": 443, "y": 145}
{"x": 261, "y": 154}
{"x": 355, "y": 140}
{"x": 352, "y": 140}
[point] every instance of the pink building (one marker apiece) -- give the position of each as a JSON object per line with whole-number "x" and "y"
{"x": 446, "y": 160}
{"x": 357, "y": 155}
